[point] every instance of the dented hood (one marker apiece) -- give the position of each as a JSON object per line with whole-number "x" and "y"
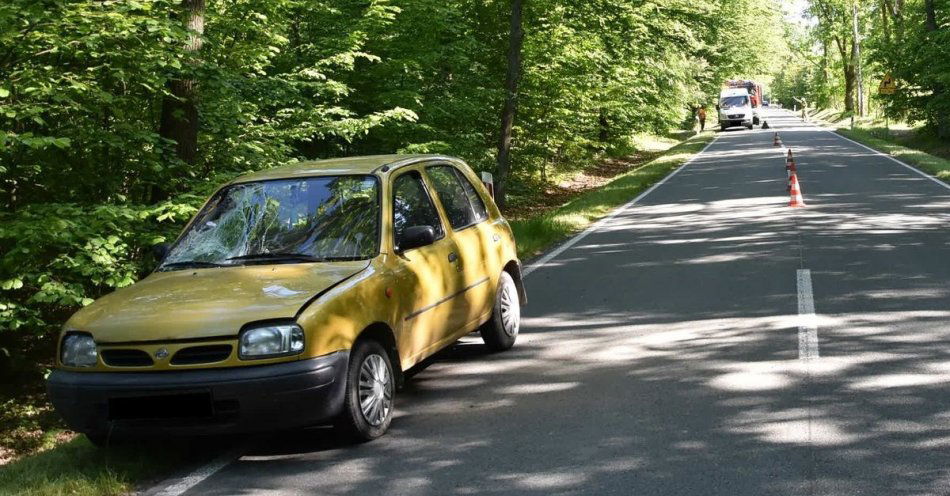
{"x": 201, "y": 303}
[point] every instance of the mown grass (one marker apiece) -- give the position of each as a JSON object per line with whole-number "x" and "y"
{"x": 536, "y": 234}
{"x": 79, "y": 468}
{"x": 906, "y": 143}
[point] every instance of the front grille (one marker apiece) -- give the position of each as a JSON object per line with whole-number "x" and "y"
{"x": 736, "y": 116}
{"x": 126, "y": 358}
{"x": 202, "y": 354}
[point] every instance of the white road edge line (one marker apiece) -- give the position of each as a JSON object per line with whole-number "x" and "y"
{"x": 885, "y": 155}
{"x": 922, "y": 173}
{"x": 178, "y": 486}
{"x": 807, "y": 320}
{"x": 617, "y": 211}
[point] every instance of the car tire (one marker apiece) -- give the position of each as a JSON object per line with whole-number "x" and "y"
{"x": 749, "y": 127}
{"x": 370, "y": 390}
{"x": 723, "y": 126}
{"x": 501, "y": 330}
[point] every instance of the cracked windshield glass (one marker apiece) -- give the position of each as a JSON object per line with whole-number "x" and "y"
{"x": 311, "y": 219}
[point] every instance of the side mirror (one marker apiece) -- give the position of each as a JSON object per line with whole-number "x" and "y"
{"x": 717, "y": 108}
{"x": 415, "y": 237}
{"x": 160, "y": 251}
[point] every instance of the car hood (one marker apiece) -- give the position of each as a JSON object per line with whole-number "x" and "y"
{"x": 202, "y": 303}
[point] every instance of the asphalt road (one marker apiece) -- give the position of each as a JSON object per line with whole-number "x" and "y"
{"x": 672, "y": 351}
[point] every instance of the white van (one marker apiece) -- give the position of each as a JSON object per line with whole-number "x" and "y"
{"x": 735, "y": 109}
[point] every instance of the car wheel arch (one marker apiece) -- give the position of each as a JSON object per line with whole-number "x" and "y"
{"x": 383, "y": 334}
{"x": 513, "y": 268}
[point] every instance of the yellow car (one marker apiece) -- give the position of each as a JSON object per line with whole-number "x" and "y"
{"x": 296, "y": 296}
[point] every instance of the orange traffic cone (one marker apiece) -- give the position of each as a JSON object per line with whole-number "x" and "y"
{"x": 789, "y": 170}
{"x": 776, "y": 141}
{"x": 797, "y": 200}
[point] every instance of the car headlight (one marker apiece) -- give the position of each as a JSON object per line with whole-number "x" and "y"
{"x": 78, "y": 350}
{"x": 271, "y": 340}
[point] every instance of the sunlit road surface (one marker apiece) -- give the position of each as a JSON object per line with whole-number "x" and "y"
{"x": 673, "y": 351}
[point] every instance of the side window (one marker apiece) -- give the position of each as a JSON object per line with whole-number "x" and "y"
{"x": 413, "y": 207}
{"x": 455, "y": 199}
{"x": 478, "y": 206}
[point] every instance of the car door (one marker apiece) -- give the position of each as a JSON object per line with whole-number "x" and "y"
{"x": 466, "y": 214}
{"x": 425, "y": 277}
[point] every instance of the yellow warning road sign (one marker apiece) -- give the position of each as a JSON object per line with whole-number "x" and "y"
{"x": 888, "y": 85}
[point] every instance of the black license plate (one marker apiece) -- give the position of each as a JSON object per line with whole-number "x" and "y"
{"x": 188, "y": 405}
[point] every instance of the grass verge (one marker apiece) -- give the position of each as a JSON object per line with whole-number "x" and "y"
{"x": 535, "y": 234}
{"x": 79, "y": 468}
{"x": 872, "y": 133}
{"x": 936, "y": 166}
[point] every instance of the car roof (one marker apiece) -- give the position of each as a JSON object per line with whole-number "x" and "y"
{"x": 367, "y": 164}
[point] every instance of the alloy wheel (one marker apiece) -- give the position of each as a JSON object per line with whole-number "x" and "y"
{"x": 510, "y": 310}
{"x": 375, "y": 389}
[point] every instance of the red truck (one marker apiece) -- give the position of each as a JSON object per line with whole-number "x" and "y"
{"x": 755, "y": 90}
{"x": 739, "y": 103}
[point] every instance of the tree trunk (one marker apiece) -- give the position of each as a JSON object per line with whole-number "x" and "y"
{"x": 885, "y": 24}
{"x": 603, "y": 126}
{"x": 894, "y": 10}
{"x": 822, "y": 98}
{"x": 931, "y": 15}
{"x": 516, "y": 38}
{"x": 179, "y": 120}
{"x": 849, "y": 87}
{"x": 848, "y": 67}
{"x": 856, "y": 60}
{"x": 941, "y": 118}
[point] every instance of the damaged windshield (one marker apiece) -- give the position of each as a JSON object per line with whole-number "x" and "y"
{"x": 288, "y": 220}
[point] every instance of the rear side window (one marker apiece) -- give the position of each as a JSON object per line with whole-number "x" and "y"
{"x": 458, "y": 197}
{"x": 478, "y": 206}
{"x": 413, "y": 207}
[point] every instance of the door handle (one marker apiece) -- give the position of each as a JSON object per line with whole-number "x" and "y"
{"x": 453, "y": 257}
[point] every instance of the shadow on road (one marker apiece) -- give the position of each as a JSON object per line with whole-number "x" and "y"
{"x": 660, "y": 355}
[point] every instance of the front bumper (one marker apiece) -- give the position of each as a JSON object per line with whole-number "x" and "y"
{"x": 211, "y": 401}
{"x": 736, "y": 122}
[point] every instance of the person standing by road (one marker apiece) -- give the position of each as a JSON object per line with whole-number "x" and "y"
{"x": 701, "y": 113}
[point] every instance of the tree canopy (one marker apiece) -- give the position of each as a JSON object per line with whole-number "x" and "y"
{"x": 117, "y": 117}
{"x": 908, "y": 40}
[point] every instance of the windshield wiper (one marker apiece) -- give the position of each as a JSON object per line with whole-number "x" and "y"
{"x": 191, "y": 263}
{"x": 279, "y": 256}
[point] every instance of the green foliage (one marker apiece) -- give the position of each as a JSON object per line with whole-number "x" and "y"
{"x": 59, "y": 256}
{"x": 88, "y": 182}
{"x": 917, "y": 57}
{"x": 896, "y": 39}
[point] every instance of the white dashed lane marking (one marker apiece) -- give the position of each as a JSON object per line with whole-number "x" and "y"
{"x": 807, "y": 320}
